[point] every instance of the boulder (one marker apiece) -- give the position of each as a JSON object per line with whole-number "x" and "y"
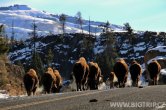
{"x": 159, "y": 54}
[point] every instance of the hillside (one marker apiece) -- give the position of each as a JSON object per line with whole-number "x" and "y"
{"x": 18, "y": 19}
{"x": 67, "y": 49}
{"x": 61, "y": 51}
{"x": 11, "y": 77}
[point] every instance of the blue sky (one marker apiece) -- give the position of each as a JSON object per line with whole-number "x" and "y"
{"x": 141, "y": 14}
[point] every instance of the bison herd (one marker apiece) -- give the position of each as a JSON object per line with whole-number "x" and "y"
{"x": 51, "y": 80}
{"x": 88, "y": 76}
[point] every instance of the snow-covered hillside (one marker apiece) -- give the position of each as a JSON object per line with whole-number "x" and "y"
{"x": 23, "y": 18}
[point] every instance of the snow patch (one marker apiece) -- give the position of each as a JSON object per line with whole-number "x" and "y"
{"x": 159, "y": 48}
{"x": 3, "y": 94}
{"x": 163, "y": 71}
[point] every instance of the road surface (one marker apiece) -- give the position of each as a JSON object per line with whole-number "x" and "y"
{"x": 137, "y": 98}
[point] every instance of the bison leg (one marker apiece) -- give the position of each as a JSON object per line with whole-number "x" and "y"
{"x": 133, "y": 83}
{"x": 34, "y": 90}
{"x": 155, "y": 81}
{"x": 78, "y": 86}
{"x": 29, "y": 93}
{"x": 119, "y": 84}
{"x": 111, "y": 84}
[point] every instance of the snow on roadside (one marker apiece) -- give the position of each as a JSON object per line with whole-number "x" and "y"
{"x": 163, "y": 71}
{"x": 3, "y": 94}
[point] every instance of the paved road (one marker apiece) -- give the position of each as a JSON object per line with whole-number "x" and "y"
{"x": 92, "y": 100}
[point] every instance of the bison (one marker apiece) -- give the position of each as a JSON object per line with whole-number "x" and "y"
{"x": 94, "y": 75}
{"x": 58, "y": 82}
{"x": 31, "y": 81}
{"x": 135, "y": 72}
{"x": 154, "y": 70}
{"x": 80, "y": 72}
{"x": 49, "y": 80}
{"x": 121, "y": 71}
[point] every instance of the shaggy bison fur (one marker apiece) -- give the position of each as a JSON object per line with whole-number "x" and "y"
{"x": 80, "y": 72}
{"x": 94, "y": 75}
{"x": 135, "y": 72}
{"x": 58, "y": 82}
{"x": 154, "y": 70}
{"x": 49, "y": 80}
{"x": 121, "y": 71}
{"x": 31, "y": 81}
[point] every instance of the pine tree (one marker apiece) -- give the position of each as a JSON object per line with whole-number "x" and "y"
{"x": 3, "y": 41}
{"x": 106, "y": 60}
{"x": 89, "y": 27}
{"x": 79, "y": 20}
{"x": 49, "y": 57}
{"x": 147, "y": 38}
{"x": 105, "y": 27}
{"x": 37, "y": 64}
{"x": 128, "y": 28}
{"x": 62, "y": 19}
{"x": 2, "y": 31}
{"x": 34, "y": 35}
{"x": 107, "y": 24}
{"x": 131, "y": 37}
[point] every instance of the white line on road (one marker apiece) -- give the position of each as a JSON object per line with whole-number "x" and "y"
{"x": 49, "y": 100}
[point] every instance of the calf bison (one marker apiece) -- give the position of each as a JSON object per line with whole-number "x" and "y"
{"x": 49, "y": 80}
{"x": 154, "y": 70}
{"x": 121, "y": 71}
{"x": 135, "y": 72}
{"x": 58, "y": 82}
{"x": 80, "y": 72}
{"x": 94, "y": 75}
{"x": 31, "y": 81}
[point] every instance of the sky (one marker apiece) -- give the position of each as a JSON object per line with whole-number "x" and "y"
{"x": 140, "y": 14}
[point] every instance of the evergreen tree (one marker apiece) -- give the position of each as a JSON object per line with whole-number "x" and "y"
{"x": 107, "y": 24}
{"x": 89, "y": 26}
{"x": 3, "y": 41}
{"x": 147, "y": 38}
{"x": 49, "y": 57}
{"x": 128, "y": 28}
{"x": 105, "y": 27}
{"x": 106, "y": 60}
{"x": 34, "y": 35}
{"x": 79, "y": 20}
{"x": 62, "y": 19}
{"x": 37, "y": 64}
{"x": 2, "y": 31}
{"x": 131, "y": 37}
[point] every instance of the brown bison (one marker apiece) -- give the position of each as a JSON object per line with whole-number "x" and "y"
{"x": 49, "y": 80}
{"x": 94, "y": 75}
{"x": 154, "y": 70}
{"x": 121, "y": 71}
{"x": 31, "y": 81}
{"x": 80, "y": 72}
{"x": 135, "y": 72}
{"x": 58, "y": 82}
